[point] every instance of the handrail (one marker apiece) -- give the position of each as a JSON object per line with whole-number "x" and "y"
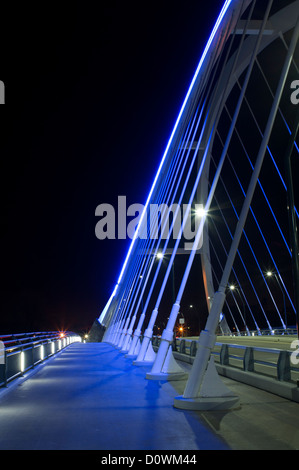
{"x": 24, "y": 337}
{"x": 253, "y": 359}
{"x": 25, "y": 351}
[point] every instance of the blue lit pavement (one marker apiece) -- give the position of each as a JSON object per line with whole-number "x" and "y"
{"x": 90, "y": 397}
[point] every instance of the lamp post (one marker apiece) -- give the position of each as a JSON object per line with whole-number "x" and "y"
{"x": 181, "y": 323}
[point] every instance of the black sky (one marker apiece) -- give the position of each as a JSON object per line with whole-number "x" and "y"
{"x": 92, "y": 93}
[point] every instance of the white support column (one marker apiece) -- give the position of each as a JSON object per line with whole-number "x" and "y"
{"x": 165, "y": 367}
{"x": 146, "y": 353}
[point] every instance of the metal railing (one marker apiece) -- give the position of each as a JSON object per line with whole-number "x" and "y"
{"x": 270, "y": 362}
{"x": 282, "y": 365}
{"x": 22, "y": 352}
{"x": 292, "y": 330}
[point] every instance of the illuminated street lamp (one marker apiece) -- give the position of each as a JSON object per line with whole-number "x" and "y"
{"x": 181, "y": 323}
{"x": 201, "y": 212}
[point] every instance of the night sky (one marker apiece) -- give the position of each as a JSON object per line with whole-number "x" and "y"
{"x": 93, "y": 90}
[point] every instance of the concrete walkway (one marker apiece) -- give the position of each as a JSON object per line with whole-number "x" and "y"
{"x": 90, "y": 397}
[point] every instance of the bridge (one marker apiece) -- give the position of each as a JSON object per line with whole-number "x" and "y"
{"x": 197, "y": 345}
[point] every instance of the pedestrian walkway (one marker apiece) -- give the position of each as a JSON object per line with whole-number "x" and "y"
{"x": 90, "y": 397}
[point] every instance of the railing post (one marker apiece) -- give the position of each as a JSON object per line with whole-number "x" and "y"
{"x": 183, "y": 346}
{"x": 193, "y": 348}
{"x": 224, "y": 356}
{"x": 284, "y": 366}
{"x": 174, "y": 345}
{"x": 32, "y": 355}
{"x": 22, "y": 361}
{"x": 3, "y": 369}
{"x": 248, "y": 360}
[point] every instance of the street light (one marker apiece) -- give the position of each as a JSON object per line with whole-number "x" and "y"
{"x": 201, "y": 212}
{"x": 181, "y": 323}
{"x": 273, "y": 274}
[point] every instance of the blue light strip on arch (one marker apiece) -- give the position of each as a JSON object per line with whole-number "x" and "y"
{"x": 208, "y": 45}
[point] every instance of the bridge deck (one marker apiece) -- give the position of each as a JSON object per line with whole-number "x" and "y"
{"x": 90, "y": 396}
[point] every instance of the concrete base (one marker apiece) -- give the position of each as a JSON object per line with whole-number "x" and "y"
{"x": 133, "y": 352}
{"x": 206, "y": 403}
{"x": 212, "y": 395}
{"x": 148, "y": 358}
{"x": 171, "y": 370}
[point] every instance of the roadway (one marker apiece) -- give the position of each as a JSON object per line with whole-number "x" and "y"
{"x": 280, "y": 342}
{"x": 90, "y": 397}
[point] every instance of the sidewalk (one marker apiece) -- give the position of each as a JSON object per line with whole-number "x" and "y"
{"x": 90, "y": 397}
